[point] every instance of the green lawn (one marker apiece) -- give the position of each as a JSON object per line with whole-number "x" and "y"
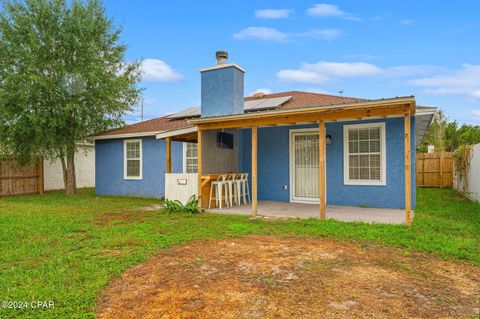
{"x": 66, "y": 249}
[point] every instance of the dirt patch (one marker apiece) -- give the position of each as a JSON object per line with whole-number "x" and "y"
{"x": 266, "y": 277}
{"x": 152, "y": 208}
{"x": 124, "y": 218}
{"x": 128, "y": 216}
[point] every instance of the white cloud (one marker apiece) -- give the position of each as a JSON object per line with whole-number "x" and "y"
{"x": 325, "y": 10}
{"x": 406, "y": 22}
{"x": 156, "y": 70}
{"x": 324, "y": 71}
{"x": 272, "y": 13}
{"x": 271, "y": 34}
{"x": 262, "y": 90}
{"x": 413, "y": 70}
{"x": 326, "y": 34}
{"x": 261, "y": 33}
{"x": 465, "y": 81}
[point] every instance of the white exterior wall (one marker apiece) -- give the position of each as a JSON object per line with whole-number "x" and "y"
{"x": 181, "y": 186}
{"x": 473, "y": 176}
{"x": 84, "y": 169}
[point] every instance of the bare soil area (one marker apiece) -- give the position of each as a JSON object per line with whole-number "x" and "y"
{"x": 270, "y": 277}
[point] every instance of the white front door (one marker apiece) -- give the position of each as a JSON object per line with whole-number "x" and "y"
{"x": 304, "y": 174}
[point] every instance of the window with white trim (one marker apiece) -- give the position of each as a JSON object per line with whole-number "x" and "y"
{"x": 132, "y": 159}
{"x": 190, "y": 158}
{"x": 364, "y": 154}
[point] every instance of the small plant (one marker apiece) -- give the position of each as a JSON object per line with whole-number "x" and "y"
{"x": 175, "y": 206}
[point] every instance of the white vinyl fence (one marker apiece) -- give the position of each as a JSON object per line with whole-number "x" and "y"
{"x": 181, "y": 186}
{"x": 84, "y": 169}
{"x": 472, "y": 190}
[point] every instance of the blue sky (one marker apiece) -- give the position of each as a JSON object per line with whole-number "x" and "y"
{"x": 368, "y": 49}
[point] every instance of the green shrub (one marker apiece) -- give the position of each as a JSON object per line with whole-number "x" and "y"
{"x": 175, "y": 206}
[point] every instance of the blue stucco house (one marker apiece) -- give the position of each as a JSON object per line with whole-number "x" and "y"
{"x": 296, "y": 146}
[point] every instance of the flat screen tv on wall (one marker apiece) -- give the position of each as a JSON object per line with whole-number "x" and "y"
{"x": 224, "y": 140}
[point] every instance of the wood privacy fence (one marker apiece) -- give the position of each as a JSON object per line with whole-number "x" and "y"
{"x": 434, "y": 169}
{"x": 20, "y": 180}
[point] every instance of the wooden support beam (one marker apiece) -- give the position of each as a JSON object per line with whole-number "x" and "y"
{"x": 408, "y": 168}
{"x": 168, "y": 168}
{"x": 321, "y": 168}
{"x": 254, "y": 170}
{"x": 304, "y": 117}
{"x": 199, "y": 169}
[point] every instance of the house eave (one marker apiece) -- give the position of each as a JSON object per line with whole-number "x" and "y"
{"x": 177, "y": 132}
{"x": 127, "y": 135}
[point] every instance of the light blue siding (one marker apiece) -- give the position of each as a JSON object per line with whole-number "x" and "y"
{"x": 222, "y": 92}
{"x": 109, "y": 157}
{"x": 274, "y": 167}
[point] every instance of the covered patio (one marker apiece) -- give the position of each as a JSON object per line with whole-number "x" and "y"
{"x": 211, "y": 163}
{"x": 279, "y": 210}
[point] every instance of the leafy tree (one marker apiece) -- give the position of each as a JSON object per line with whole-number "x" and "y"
{"x": 62, "y": 78}
{"x": 448, "y": 136}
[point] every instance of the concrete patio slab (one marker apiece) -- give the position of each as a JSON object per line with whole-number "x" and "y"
{"x": 296, "y": 210}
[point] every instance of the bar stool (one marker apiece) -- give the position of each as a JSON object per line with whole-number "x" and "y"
{"x": 245, "y": 188}
{"x": 238, "y": 188}
{"x": 218, "y": 187}
{"x": 230, "y": 182}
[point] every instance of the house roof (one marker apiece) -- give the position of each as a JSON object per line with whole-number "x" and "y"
{"x": 297, "y": 100}
{"x": 166, "y": 123}
{"x": 306, "y": 99}
{"x": 145, "y": 128}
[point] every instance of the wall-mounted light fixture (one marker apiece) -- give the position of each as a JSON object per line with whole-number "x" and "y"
{"x": 328, "y": 139}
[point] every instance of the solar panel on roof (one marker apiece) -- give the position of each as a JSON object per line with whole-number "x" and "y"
{"x": 248, "y": 106}
{"x": 262, "y": 104}
{"x": 190, "y": 112}
{"x": 251, "y": 104}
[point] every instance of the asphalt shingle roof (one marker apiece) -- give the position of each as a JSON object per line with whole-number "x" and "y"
{"x": 298, "y": 100}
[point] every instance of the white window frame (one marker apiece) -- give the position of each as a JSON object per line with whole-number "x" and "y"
{"x": 125, "y": 142}
{"x": 185, "y": 158}
{"x": 383, "y": 155}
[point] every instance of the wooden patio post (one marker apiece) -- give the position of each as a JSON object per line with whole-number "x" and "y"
{"x": 408, "y": 175}
{"x": 254, "y": 171}
{"x": 321, "y": 168}
{"x": 199, "y": 167}
{"x": 168, "y": 168}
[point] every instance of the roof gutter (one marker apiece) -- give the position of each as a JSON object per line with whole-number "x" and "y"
{"x": 128, "y": 135}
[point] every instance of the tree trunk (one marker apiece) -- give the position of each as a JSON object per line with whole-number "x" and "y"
{"x": 64, "y": 171}
{"x": 70, "y": 187}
